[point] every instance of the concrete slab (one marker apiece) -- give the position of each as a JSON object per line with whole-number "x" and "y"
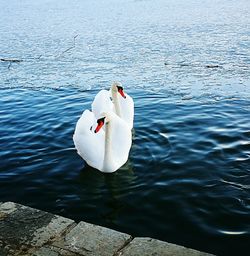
{"x": 152, "y": 247}
{"x": 89, "y": 239}
{"x": 22, "y": 228}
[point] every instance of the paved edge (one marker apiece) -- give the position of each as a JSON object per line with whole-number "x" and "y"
{"x": 28, "y": 231}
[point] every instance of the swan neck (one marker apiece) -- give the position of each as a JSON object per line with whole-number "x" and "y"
{"x": 108, "y": 150}
{"x": 116, "y": 103}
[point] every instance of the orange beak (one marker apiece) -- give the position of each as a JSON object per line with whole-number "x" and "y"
{"x": 120, "y": 90}
{"x": 100, "y": 123}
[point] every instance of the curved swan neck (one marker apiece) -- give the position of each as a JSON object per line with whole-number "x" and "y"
{"x": 107, "y": 162}
{"x": 116, "y": 102}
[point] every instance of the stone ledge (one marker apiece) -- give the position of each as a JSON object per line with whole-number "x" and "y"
{"x": 25, "y": 231}
{"x": 23, "y": 228}
{"x": 52, "y": 251}
{"x": 153, "y": 247}
{"x": 89, "y": 239}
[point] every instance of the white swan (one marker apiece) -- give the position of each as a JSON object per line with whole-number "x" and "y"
{"x": 104, "y": 143}
{"x": 117, "y": 101}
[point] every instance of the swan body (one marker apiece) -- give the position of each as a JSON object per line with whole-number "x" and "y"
{"x": 117, "y": 101}
{"x": 104, "y": 143}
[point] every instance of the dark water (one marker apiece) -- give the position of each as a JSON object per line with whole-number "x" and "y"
{"x": 187, "y": 66}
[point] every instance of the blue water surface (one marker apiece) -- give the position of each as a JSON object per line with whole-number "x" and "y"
{"x": 187, "y": 66}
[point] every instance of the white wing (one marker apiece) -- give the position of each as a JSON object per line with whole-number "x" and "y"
{"x": 127, "y": 110}
{"x": 121, "y": 141}
{"x": 89, "y": 145}
{"x": 102, "y": 103}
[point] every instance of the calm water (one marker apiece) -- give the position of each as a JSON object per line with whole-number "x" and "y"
{"x": 186, "y": 65}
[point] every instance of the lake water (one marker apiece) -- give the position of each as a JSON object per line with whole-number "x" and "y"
{"x": 187, "y": 66}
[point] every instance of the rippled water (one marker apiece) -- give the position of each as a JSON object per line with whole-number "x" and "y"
{"x": 186, "y": 65}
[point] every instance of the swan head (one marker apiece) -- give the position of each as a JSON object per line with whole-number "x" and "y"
{"x": 104, "y": 119}
{"x": 117, "y": 88}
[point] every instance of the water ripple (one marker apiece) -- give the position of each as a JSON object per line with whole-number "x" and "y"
{"x": 187, "y": 177}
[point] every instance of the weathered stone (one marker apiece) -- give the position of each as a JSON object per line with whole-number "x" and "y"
{"x": 44, "y": 251}
{"x": 53, "y": 251}
{"x": 7, "y": 208}
{"x": 56, "y": 226}
{"x": 22, "y": 228}
{"x": 88, "y": 239}
{"x": 2, "y": 216}
{"x": 152, "y": 247}
{"x": 25, "y": 231}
